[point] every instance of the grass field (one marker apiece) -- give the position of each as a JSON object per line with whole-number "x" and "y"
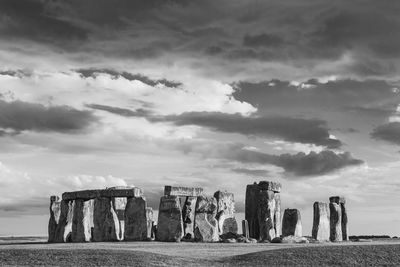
{"x": 379, "y": 253}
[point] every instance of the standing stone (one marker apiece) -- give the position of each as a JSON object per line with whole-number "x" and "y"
{"x": 345, "y": 229}
{"x": 170, "y": 223}
{"x": 226, "y": 213}
{"x": 67, "y": 236}
{"x": 188, "y": 211}
{"x": 291, "y": 225}
{"x": 106, "y": 223}
{"x": 82, "y": 221}
{"x": 205, "y": 224}
{"x": 62, "y": 222}
{"x": 149, "y": 222}
{"x": 55, "y": 211}
{"x": 277, "y": 215}
{"x": 335, "y": 222}
{"x": 251, "y": 209}
{"x": 245, "y": 229}
{"x": 320, "y": 230}
{"x": 136, "y": 219}
{"x": 266, "y": 211}
{"x": 119, "y": 205}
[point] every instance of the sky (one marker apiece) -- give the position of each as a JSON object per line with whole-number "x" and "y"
{"x": 212, "y": 94}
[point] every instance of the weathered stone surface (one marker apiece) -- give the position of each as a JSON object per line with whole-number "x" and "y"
{"x": 188, "y": 211}
{"x": 55, "y": 211}
{"x": 136, "y": 219}
{"x": 109, "y": 193}
{"x": 295, "y": 239}
{"x": 291, "y": 225}
{"x": 119, "y": 205}
{"x": 266, "y": 210}
{"x": 82, "y": 221}
{"x": 170, "y": 223}
{"x": 337, "y": 199}
{"x": 268, "y": 185}
{"x": 277, "y": 215}
{"x": 67, "y": 236}
{"x": 205, "y": 224}
{"x": 321, "y": 230}
{"x": 106, "y": 223}
{"x": 335, "y": 222}
{"x": 245, "y": 229}
{"x": 225, "y": 212}
{"x": 345, "y": 229}
{"x": 251, "y": 209}
{"x": 150, "y": 222}
{"x": 182, "y": 191}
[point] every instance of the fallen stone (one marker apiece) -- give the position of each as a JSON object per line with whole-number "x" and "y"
{"x": 182, "y": 191}
{"x": 55, "y": 211}
{"x": 136, "y": 219}
{"x": 295, "y": 239}
{"x": 291, "y": 225}
{"x": 230, "y": 240}
{"x": 335, "y": 222}
{"x": 251, "y": 240}
{"x": 320, "y": 229}
{"x": 266, "y": 210}
{"x": 230, "y": 235}
{"x": 82, "y": 221}
{"x": 170, "y": 222}
{"x": 225, "y": 212}
{"x": 276, "y": 240}
{"x": 205, "y": 224}
{"x": 105, "y": 219}
{"x": 188, "y": 212}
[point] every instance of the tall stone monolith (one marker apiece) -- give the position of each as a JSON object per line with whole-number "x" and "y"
{"x": 136, "y": 219}
{"x": 170, "y": 223}
{"x": 345, "y": 229}
{"x": 106, "y": 223}
{"x": 266, "y": 215}
{"x": 150, "y": 222}
{"x": 226, "y": 213}
{"x": 55, "y": 211}
{"x": 291, "y": 223}
{"x": 119, "y": 205}
{"x": 82, "y": 221}
{"x": 188, "y": 211}
{"x": 205, "y": 224}
{"x": 245, "y": 229}
{"x": 277, "y": 214}
{"x": 335, "y": 222}
{"x": 321, "y": 222}
{"x": 251, "y": 210}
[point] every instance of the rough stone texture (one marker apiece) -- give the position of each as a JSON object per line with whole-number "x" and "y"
{"x": 266, "y": 211}
{"x": 82, "y": 221}
{"x": 136, "y": 219}
{"x": 182, "y": 191}
{"x": 205, "y": 224}
{"x": 67, "y": 235}
{"x": 345, "y": 229}
{"x": 119, "y": 205}
{"x": 245, "y": 229}
{"x": 291, "y": 225}
{"x": 106, "y": 223}
{"x": 109, "y": 193}
{"x": 149, "y": 222}
{"x": 188, "y": 211}
{"x": 251, "y": 209}
{"x": 268, "y": 185}
{"x": 320, "y": 230}
{"x": 335, "y": 222}
{"x": 55, "y": 212}
{"x": 277, "y": 215}
{"x": 226, "y": 212}
{"x": 170, "y": 223}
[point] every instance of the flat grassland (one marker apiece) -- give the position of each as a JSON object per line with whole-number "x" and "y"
{"x": 377, "y": 253}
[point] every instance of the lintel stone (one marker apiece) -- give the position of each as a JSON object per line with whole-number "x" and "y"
{"x": 182, "y": 191}
{"x": 109, "y": 192}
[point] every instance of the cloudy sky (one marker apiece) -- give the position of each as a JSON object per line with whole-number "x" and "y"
{"x": 216, "y": 94}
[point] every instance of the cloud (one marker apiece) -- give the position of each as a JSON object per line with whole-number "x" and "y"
{"x": 21, "y": 116}
{"x": 300, "y": 130}
{"x": 251, "y": 172}
{"x": 262, "y": 40}
{"x": 388, "y": 132}
{"x": 121, "y": 111}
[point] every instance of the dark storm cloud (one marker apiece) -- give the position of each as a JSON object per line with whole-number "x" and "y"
{"x": 32, "y": 20}
{"x": 300, "y": 164}
{"x": 16, "y": 73}
{"x": 311, "y": 131}
{"x": 389, "y": 132}
{"x": 268, "y": 40}
{"x": 129, "y": 76}
{"x": 20, "y": 116}
{"x": 121, "y": 111}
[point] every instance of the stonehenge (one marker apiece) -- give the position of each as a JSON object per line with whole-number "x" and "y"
{"x": 262, "y": 210}
{"x": 98, "y": 215}
{"x": 291, "y": 225}
{"x": 187, "y": 214}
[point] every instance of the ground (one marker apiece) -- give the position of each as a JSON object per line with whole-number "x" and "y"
{"x": 35, "y": 252}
